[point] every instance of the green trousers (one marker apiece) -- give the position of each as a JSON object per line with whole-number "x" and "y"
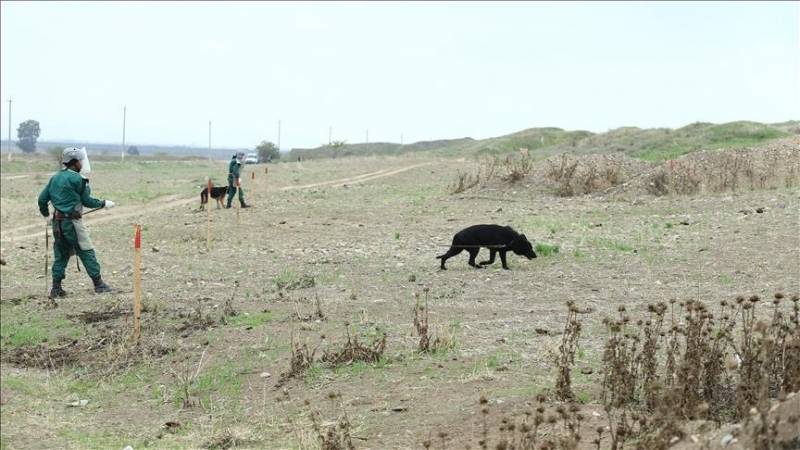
{"x": 64, "y": 248}
{"x": 232, "y": 191}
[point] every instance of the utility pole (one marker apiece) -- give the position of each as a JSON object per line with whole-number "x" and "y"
{"x": 367, "y": 135}
{"x": 209, "y": 140}
{"x": 401, "y": 138}
{"x": 330, "y": 133}
{"x": 279, "y": 135}
{"x": 8, "y": 144}
{"x": 124, "y": 113}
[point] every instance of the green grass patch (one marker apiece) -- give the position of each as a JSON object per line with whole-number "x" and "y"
{"x": 290, "y": 280}
{"x": 546, "y": 250}
{"x": 663, "y": 153}
{"x": 250, "y": 319}
{"x": 222, "y": 381}
{"x": 23, "y": 329}
{"x": 612, "y": 244}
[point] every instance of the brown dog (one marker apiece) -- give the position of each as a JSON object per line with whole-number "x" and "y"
{"x": 217, "y": 193}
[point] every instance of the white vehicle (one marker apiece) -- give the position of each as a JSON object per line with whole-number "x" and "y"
{"x": 251, "y": 158}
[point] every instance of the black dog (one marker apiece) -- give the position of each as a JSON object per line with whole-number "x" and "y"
{"x": 494, "y": 237}
{"x": 217, "y": 193}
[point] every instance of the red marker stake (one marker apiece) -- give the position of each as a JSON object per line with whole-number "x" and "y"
{"x": 137, "y": 282}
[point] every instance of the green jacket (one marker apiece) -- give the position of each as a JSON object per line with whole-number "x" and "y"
{"x": 66, "y": 190}
{"x": 234, "y": 170}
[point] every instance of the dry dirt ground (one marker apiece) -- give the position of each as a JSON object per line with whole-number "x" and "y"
{"x": 361, "y": 235}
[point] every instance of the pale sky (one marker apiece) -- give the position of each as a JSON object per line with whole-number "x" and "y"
{"x": 427, "y": 70}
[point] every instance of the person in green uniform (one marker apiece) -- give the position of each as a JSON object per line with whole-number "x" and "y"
{"x": 68, "y": 191}
{"x": 234, "y": 172}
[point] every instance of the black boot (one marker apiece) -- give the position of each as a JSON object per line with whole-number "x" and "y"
{"x": 243, "y": 204}
{"x": 100, "y": 286}
{"x": 56, "y": 291}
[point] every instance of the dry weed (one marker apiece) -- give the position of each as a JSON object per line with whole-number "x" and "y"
{"x": 353, "y": 350}
{"x": 428, "y": 344}
{"x": 573, "y": 175}
{"x": 334, "y": 435}
{"x": 565, "y": 359}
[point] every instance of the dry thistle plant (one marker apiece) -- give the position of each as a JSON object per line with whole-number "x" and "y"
{"x": 721, "y": 366}
{"x": 465, "y": 181}
{"x": 318, "y": 314}
{"x": 517, "y": 168}
{"x": 302, "y": 359}
{"x": 334, "y": 435}
{"x": 565, "y": 359}
{"x": 427, "y": 343}
{"x": 557, "y": 428}
{"x": 353, "y": 350}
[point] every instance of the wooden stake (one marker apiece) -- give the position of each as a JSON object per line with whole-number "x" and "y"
{"x": 208, "y": 213}
{"x": 137, "y": 282}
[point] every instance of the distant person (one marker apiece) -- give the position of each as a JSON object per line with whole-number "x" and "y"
{"x": 234, "y": 175}
{"x": 68, "y": 191}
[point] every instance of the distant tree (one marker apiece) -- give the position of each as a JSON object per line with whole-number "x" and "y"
{"x": 27, "y": 133}
{"x": 133, "y": 150}
{"x": 267, "y": 151}
{"x": 337, "y": 147}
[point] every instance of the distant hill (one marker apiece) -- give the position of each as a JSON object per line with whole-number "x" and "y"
{"x": 373, "y": 148}
{"x": 649, "y": 144}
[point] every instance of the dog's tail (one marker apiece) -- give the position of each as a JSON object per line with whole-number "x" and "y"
{"x": 441, "y": 256}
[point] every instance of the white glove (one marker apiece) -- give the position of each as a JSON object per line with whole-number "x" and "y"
{"x": 109, "y": 204}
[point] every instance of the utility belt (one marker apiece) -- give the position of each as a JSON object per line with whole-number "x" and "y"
{"x": 74, "y": 215}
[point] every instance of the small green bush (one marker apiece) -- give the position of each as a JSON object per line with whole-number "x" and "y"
{"x": 546, "y": 249}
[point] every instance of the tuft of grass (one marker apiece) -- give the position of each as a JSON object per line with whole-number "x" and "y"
{"x": 290, "y": 280}
{"x": 612, "y": 244}
{"x": 546, "y": 250}
{"x": 16, "y": 330}
{"x": 250, "y": 319}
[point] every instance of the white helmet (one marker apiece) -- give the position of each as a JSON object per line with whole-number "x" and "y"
{"x": 80, "y": 154}
{"x": 71, "y": 153}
